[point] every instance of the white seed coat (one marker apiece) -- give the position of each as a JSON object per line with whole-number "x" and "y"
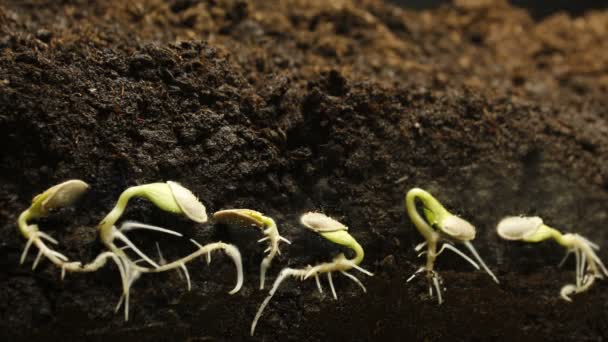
{"x": 518, "y": 227}
{"x": 321, "y": 223}
{"x": 458, "y": 228}
{"x": 188, "y": 203}
{"x": 64, "y": 194}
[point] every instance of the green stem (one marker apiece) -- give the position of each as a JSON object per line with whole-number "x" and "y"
{"x": 431, "y": 254}
{"x": 359, "y": 253}
{"x": 564, "y": 240}
{"x": 22, "y": 222}
{"x": 429, "y": 234}
{"x": 343, "y": 238}
{"x": 431, "y": 204}
{"x": 105, "y": 226}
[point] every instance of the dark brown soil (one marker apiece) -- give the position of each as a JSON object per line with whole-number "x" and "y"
{"x": 291, "y": 106}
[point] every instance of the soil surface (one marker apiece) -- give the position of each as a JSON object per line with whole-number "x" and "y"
{"x": 290, "y": 106}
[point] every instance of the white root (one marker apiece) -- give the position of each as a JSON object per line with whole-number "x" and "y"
{"x": 201, "y": 246}
{"x": 187, "y": 275}
{"x": 59, "y": 256}
{"x": 234, "y": 253}
{"x": 286, "y": 272}
{"x": 273, "y": 237}
{"x": 129, "y": 276}
{"x": 339, "y": 264}
{"x": 331, "y": 285}
{"x": 161, "y": 258}
{"x": 434, "y": 280}
{"x": 415, "y": 274}
{"x": 119, "y": 304}
{"x": 577, "y": 254}
{"x": 28, "y": 244}
{"x": 599, "y": 262}
{"x": 469, "y": 245}
{"x": 130, "y": 271}
{"x": 47, "y": 237}
{"x": 459, "y": 253}
{"x": 37, "y": 238}
{"x": 357, "y": 281}
{"x": 561, "y": 263}
{"x": 360, "y": 269}
{"x": 582, "y": 268}
{"x": 263, "y": 268}
{"x": 566, "y": 291}
{"x": 318, "y": 283}
{"x": 133, "y": 225}
{"x": 37, "y": 259}
{"x": 123, "y": 238}
{"x": 588, "y": 267}
{"x": 589, "y": 243}
{"x": 311, "y": 271}
{"x": 437, "y": 288}
{"x": 420, "y": 246}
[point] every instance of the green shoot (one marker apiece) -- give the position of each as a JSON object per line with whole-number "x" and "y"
{"x": 247, "y": 217}
{"x": 442, "y": 227}
{"x": 532, "y": 229}
{"x": 335, "y": 232}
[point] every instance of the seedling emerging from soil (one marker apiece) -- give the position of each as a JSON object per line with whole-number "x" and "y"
{"x": 171, "y": 197}
{"x": 532, "y": 229}
{"x": 443, "y": 227}
{"x": 247, "y": 217}
{"x": 335, "y": 232}
{"x": 58, "y": 196}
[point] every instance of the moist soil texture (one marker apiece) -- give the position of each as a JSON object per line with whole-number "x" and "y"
{"x": 304, "y": 105}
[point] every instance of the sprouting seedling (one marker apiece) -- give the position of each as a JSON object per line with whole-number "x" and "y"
{"x": 171, "y": 197}
{"x": 168, "y": 196}
{"x": 248, "y": 217}
{"x": 532, "y": 229}
{"x": 440, "y": 226}
{"x": 58, "y": 196}
{"x": 335, "y": 232}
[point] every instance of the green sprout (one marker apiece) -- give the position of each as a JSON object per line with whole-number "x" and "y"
{"x": 532, "y": 229}
{"x": 58, "y": 196}
{"x": 440, "y": 226}
{"x": 171, "y": 197}
{"x": 248, "y": 217}
{"x": 335, "y": 232}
